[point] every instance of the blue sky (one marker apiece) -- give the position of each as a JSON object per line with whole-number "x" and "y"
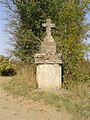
{"x": 4, "y": 36}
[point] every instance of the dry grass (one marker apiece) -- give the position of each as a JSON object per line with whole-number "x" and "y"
{"x": 23, "y": 82}
{"x": 77, "y": 103}
{"x": 27, "y": 73}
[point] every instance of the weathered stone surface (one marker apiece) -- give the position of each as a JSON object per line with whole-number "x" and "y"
{"x": 48, "y": 57}
{"x": 48, "y": 46}
{"x": 49, "y": 75}
{"x": 48, "y": 26}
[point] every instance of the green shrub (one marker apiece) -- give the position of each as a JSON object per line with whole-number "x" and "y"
{"x": 6, "y": 68}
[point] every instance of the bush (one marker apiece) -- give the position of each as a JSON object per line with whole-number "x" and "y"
{"x": 6, "y": 68}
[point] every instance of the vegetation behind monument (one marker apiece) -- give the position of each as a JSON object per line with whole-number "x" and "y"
{"x": 69, "y": 33}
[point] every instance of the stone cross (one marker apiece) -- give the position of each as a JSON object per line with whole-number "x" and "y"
{"x": 48, "y": 62}
{"x": 48, "y": 26}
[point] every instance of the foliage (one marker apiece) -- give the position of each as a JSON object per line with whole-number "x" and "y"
{"x": 80, "y": 73}
{"x": 68, "y": 16}
{"x": 6, "y": 68}
{"x": 69, "y": 34}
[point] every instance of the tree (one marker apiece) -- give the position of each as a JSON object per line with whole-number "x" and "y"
{"x": 68, "y": 15}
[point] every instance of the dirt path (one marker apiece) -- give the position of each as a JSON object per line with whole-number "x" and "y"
{"x": 12, "y": 108}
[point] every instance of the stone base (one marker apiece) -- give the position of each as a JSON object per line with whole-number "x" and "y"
{"x": 49, "y": 76}
{"x": 48, "y": 57}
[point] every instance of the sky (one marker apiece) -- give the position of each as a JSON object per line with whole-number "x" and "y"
{"x": 4, "y": 36}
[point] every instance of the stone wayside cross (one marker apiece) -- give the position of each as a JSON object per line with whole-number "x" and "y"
{"x": 48, "y": 62}
{"x": 48, "y": 26}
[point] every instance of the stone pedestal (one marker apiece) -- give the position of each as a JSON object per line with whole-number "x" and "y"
{"x": 49, "y": 71}
{"x": 49, "y": 63}
{"x": 49, "y": 76}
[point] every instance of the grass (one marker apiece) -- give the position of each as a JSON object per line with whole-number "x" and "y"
{"x": 77, "y": 103}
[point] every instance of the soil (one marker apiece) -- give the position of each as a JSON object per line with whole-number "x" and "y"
{"x": 19, "y": 108}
